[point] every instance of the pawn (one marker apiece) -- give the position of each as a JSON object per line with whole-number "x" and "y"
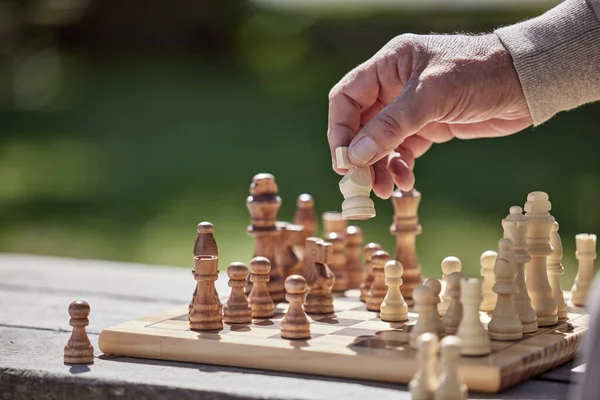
{"x": 368, "y": 252}
{"x": 555, "y": 269}
{"x": 475, "y": 340}
{"x": 79, "y": 349}
{"x": 436, "y": 288}
{"x": 487, "y": 261}
{"x": 260, "y": 300}
{"x": 339, "y": 263}
{"x": 451, "y": 385}
{"x": 425, "y": 307}
{"x": 453, "y": 315}
{"x": 425, "y": 381}
{"x": 394, "y": 307}
{"x": 237, "y": 310}
{"x": 295, "y": 323}
{"x": 378, "y": 289}
{"x": 449, "y": 265}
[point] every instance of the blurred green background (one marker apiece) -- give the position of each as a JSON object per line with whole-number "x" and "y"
{"x": 124, "y": 124}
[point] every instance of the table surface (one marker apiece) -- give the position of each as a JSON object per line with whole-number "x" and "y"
{"x": 35, "y": 293}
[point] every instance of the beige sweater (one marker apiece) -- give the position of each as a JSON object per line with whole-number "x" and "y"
{"x": 557, "y": 57}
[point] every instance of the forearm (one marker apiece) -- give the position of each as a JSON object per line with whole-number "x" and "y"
{"x": 557, "y": 57}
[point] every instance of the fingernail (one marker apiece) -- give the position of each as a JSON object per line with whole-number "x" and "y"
{"x": 363, "y": 151}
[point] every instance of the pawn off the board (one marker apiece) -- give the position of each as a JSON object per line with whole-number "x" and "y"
{"x": 79, "y": 349}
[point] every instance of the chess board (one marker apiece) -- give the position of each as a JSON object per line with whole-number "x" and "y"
{"x": 351, "y": 343}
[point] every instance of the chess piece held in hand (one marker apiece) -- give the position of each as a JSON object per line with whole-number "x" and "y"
{"x": 356, "y": 188}
{"x": 79, "y": 349}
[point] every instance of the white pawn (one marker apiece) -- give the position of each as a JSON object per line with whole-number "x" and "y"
{"x": 505, "y": 323}
{"x": 555, "y": 269}
{"x": 449, "y": 265}
{"x": 453, "y": 316}
{"x": 436, "y": 288}
{"x": 393, "y": 307}
{"x": 425, "y": 307}
{"x": 451, "y": 385}
{"x": 585, "y": 254}
{"x": 423, "y": 384}
{"x": 475, "y": 339}
{"x": 487, "y": 261}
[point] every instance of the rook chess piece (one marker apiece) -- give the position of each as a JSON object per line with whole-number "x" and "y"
{"x": 538, "y": 246}
{"x": 205, "y": 245}
{"x": 425, "y": 381}
{"x": 260, "y": 300}
{"x": 449, "y": 265}
{"x": 475, "y": 340}
{"x": 436, "y": 288}
{"x": 79, "y": 349}
{"x": 453, "y": 315}
{"x": 356, "y": 188}
{"x": 378, "y": 289}
{"x": 425, "y": 307}
{"x": 505, "y": 323}
{"x": 207, "y": 311}
{"x": 487, "y": 261}
{"x": 585, "y": 244}
{"x": 319, "y": 277}
{"x": 368, "y": 251}
{"x": 451, "y": 385}
{"x": 354, "y": 244}
{"x": 237, "y": 310}
{"x": 295, "y": 324}
{"x": 515, "y": 227}
{"x": 555, "y": 269}
{"x": 393, "y": 307}
{"x": 339, "y": 262}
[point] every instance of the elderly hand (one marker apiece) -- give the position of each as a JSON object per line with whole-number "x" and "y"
{"x": 419, "y": 90}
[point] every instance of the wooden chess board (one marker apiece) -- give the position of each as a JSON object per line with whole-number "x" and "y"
{"x": 352, "y": 343}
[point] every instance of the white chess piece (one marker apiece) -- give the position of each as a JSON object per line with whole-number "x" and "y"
{"x": 393, "y": 307}
{"x": 453, "y": 316}
{"x": 356, "y": 188}
{"x": 505, "y": 323}
{"x": 555, "y": 269}
{"x": 487, "y": 261}
{"x": 585, "y": 254}
{"x": 475, "y": 339}
{"x": 423, "y": 384}
{"x": 425, "y": 307}
{"x": 451, "y": 385}
{"x": 449, "y": 265}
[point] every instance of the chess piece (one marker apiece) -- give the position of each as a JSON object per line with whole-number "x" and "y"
{"x": 356, "y": 188}
{"x": 393, "y": 308}
{"x": 555, "y": 269}
{"x": 237, "y": 310}
{"x": 368, "y": 251}
{"x": 406, "y": 227}
{"x": 290, "y": 235}
{"x": 449, "y": 265}
{"x": 339, "y": 262}
{"x": 436, "y": 288}
{"x": 378, "y": 289}
{"x": 319, "y": 277}
{"x": 260, "y": 300}
{"x": 538, "y": 246}
{"x": 475, "y": 340}
{"x": 453, "y": 315}
{"x": 505, "y": 323}
{"x": 515, "y": 227}
{"x": 487, "y": 261}
{"x": 79, "y": 349}
{"x": 205, "y": 245}
{"x": 585, "y": 244}
{"x": 354, "y": 245}
{"x": 333, "y": 221}
{"x": 206, "y": 314}
{"x": 425, "y": 307}
{"x": 425, "y": 381}
{"x": 451, "y": 385}
{"x": 295, "y": 324}
{"x": 263, "y": 205}
{"x": 305, "y": 214}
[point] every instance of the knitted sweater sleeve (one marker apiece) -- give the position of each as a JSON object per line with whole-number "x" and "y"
{"x": 557, "y": 57}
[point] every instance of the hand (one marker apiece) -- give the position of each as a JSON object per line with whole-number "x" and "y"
{"x": 420, "y": 90}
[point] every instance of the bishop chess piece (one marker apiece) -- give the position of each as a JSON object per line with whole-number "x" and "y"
{"x": 295, "y": 323}
{"x": 451, "y": 385}
{"x": 450, "y": 265}
{"x": 436, "y": 288}
{"x": 79, "y": 349}
{"x": 319, "y": 277}
{"x": 538, "y": 246}
{"x": 354, "y": 245}
{"x": 263, "y": 205}
{"x": 454, "y": 313}
{"x": 475, "y": 339}
{"x": 515, "y": 226}
{"x": 505, "y": 323}
{"x": 425, "y": 307}
{"x": 356, "y": 188}
{"x": 339, "y": 263}
{"x": 378, "y": 289}
{"x": 585, "y": 244}
{"x": 237, "y": 310}
{"x": 393, "y": 308}
{"x": 368, "y": 252}
{"x": 207, "y": 311}
{"x": 425, "y": 381}
{"x": 487, "y": 261}
{"x": 205, "y": 245}
{"x": 406, "y": 227}
{"x": 260, "y": 300}
{"x": 555, "y": 270}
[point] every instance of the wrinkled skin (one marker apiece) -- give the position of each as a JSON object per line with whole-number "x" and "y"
{"x": 419, "y": 90}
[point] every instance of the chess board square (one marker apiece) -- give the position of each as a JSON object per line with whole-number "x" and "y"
{"x": 335, "y": 321}
{"x": 359, "y": 315}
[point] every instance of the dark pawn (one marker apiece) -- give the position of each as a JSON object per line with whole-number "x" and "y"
{"x": 79, "y": 349}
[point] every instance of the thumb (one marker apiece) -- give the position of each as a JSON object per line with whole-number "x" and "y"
{"x": 405, "y": 116}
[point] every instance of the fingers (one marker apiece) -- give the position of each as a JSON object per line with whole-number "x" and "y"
{"x": 401, "y": 170}
{"x": 384, "y": 183}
